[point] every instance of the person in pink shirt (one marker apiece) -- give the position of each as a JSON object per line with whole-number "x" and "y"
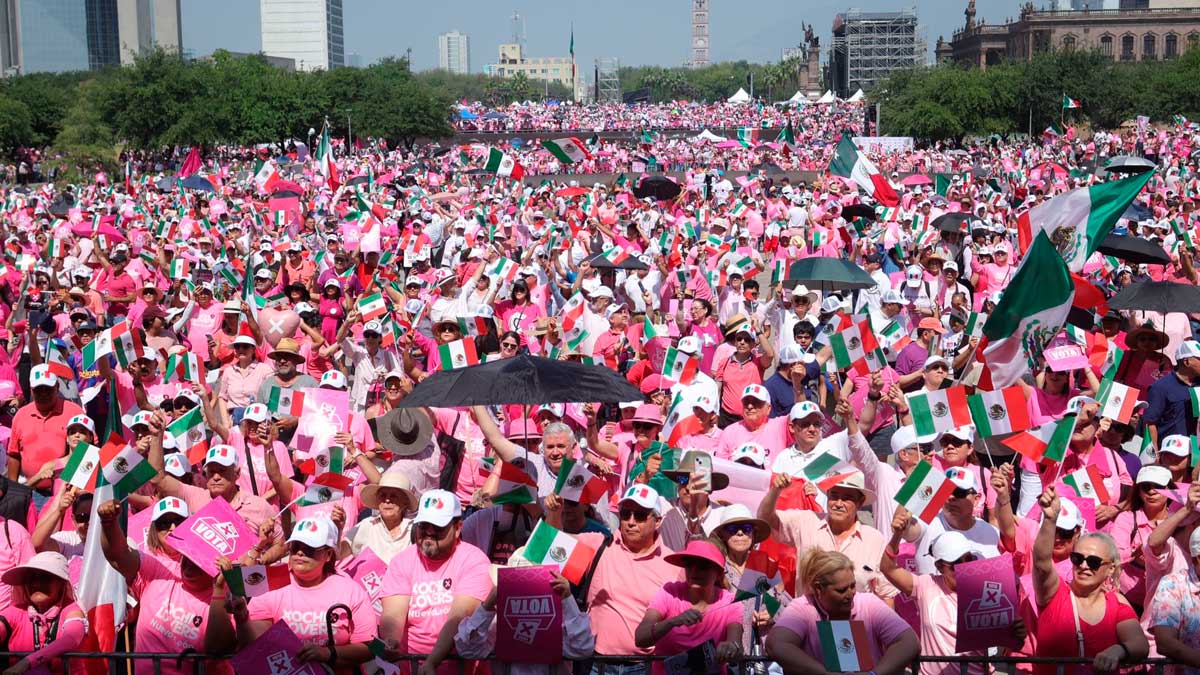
{"x": 828, "y": 587}
{"x": 304, "y": 604}
{"x": 756, "y": 425}
{"x": 686, "y": 615}
{"x": 256, "y": 436}
{"x": 432, "y": 586}
{"x": 42, "y": 596}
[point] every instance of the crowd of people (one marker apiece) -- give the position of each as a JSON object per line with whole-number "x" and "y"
{"x": 189, "y": 332}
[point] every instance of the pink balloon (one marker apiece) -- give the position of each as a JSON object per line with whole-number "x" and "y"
{"x": 277, "y": 324}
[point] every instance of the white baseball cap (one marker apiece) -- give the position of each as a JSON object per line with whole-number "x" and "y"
{"x": 757, "y": 391}
{"x": 333, "y": 379}
{"x": 170, "y": 505}
{"x": 225, "y": 455}
{"x": 1188, "y": 349}
{"x": 689, "y": 345}
{"x": 706, "y": 403}
{"x": 176, "y": 464}
{"x": 792, "y": 353}
{"x": 40, "y": 376}
{"x": 963, "y": 478}
{"x": 935, "y": 359}
{"x": 316, "y": 532}
{"x": 964, "y": 433}
{"x": 904, "y": 437}
{"x": 804, "y": 409}
{"x": 244, "y": 340}
{"x": 892, "y": 296}
{"x": 1176, "y": 444}
{"x": 257, "y": 412}
{"x": 142, "y": 418}
{"x": 1194, "y": 542}
{"x": 82, "y": 421}
{"x": 1069, "y": 516}
{"x": 644, "y": 496}
{"x": 438, "y": 507}
{"x": 754, "y": 452}
{"x": 373, "y": 326}
{"x": 914, "y": 275}
{"x": 950, "y": 546}
{"x": 1154, "y": 474}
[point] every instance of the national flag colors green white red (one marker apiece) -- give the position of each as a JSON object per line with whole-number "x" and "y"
{"x": 1069, "y": 103}
{"x": 1077, "y": 221}
{"x": 827, "y": 470}
{"x": 567, "y": 150}
{"x": 503, "y": 164}
{"x": 549, "y": 546}
{"x": 325, "y": 162}
{"x": 924, "y": 492}
{"x": 578, "y": 484}
{"x": 1117, "y": 401}
{"x": 127, "y": 471}
{"x": 191, "y": 434}
{"x": 81, "y": 466}
{"x": 679, "y": 366}
{"x": 372, "y": 306}
{"x": 515, "y": 486}
{"x": 285, "y": 401}
{"x": 856, "y": 349}
{"x": 251, "y": 581}
{"x": 936, "y": 411}
{"x": 615, "y": 254}
{"x": 848, "y": 163}
{"x": 999, "y": 412}
{"x": 681, "y": 421}
{"x": 1088, "y": 483}
{"x": 458, "y": 354}
{"x": 845, "y": 646}
{"x": 504, "y": 269}
{"x": 1048, "y": 441}
{"x": 1031, "y": 312}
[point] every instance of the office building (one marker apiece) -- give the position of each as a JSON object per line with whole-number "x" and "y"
{"x": 868, "y": 46}
{"x": 306, "y": 31}
{"x": 66, "y": 35}
{"x": 454, "y": 52}
{"x": 146, "y": 25}
{"x": 556, "y": 69}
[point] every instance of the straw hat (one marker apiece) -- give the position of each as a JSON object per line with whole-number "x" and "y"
{"x": 390, "y": 479}
{"x": 287, "y": 347}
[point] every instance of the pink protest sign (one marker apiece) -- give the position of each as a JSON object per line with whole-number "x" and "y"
{"x": 139, "y": 525}
{"x": 326, "y": 413}
{"x": 1065, "y": 357}
{"x": 529, "y": 617}
{"x": 987, "y": 604}
{"x": 274, "y": 653}
{"x": 367, "y": 569}
{"x": 906, "y": 607}
{"x": 213, "y": 531}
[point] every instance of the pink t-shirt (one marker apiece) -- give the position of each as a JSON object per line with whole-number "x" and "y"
{"x": 938, "y": 608}
{"x": 204, "y": 322}
{"x": 16, "y": 550}
{"x": 772, "y": 435}
{"x": 173, "y": 619}
{"x": 883, "y": 625}
{"x": 432, "y": 586}
{"x": 303, "y": 610}
{"x": 671, "y": 600}
{"x": 258, "y": 462}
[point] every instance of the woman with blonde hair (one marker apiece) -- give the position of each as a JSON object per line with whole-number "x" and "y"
{"x": 827, "y": 588}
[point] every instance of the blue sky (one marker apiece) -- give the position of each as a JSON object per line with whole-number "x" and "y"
{"x": 638, "y": 32}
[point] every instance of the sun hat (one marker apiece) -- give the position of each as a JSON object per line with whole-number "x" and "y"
{"x": 1160, "y": 338}
{"x": 50, "y": 562}
{"x": 438, "y": 507}
{"x": 740, "y": 513}
{"x": 316, "y": 532}
{"x": 649, "y": 413}
{"x": 697, "y": 549}
{"x": 390, "y": 479}
{"x": 244, "y": 340}
{"x": 520, "y": 429}
{"x": 856, "y": 481}
{"x": 287, "y": 347}
{"x": 404, "y": 431}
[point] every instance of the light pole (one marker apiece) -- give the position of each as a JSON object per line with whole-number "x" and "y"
{"x": 349, "y": 132}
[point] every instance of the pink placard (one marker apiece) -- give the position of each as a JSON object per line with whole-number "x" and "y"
{"x": 1065, "y": 357}
{"x": 987, "y": 604}
{"x": 326, "y": 412}
{"x": 367, "y": 569}
{"x": 274, "y": 653}
{"x": 529, "y": 616}
{"x": 139, "y": 526}
{"x": 213, "y": 531}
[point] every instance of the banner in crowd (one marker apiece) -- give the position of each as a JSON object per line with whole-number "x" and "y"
{"x": 274, "y": 653}
{"x": 884, "y": 144}
{"x": 214, "y": 531}
{"x": 529, "y": 616}
{"x": 987, "y": 604}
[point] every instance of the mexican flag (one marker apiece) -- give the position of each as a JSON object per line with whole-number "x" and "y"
{"x": 679, "y": 366}
{"x": 936, "y": 411}
{"x": 1070, "y": 103}
{"x": 325, "y": 460}
{"x": 856, "y": 349}
{"x": 577, "y": 483}
{"x": 845, "y": 646}
{"x": 326, "y": 487}
{"x": 549, "y": 546}
{"x": 1117, "y": 401}
{"x": 1088, "y": 483}
{"x": 267, "y": 176}
{"x": 975, "y": 323}
{"x": 325, "y": 162}
{"x": 503, "y": 164}
{"x": 1077, "y": 221}
{"x": 567, "y": 150}
{"x": 102, "y": 588}
{"x": 747, "y": 136}
{"x": 650, "y": 331}
{"x": 848, "y": 163}
{"x": 745, "y": 266}
{"x": 999, "y": 412}
{"x": 504, "y": 269}
{"x": 787, "y": 136}
{"x": 516, "y": 486}
{"x": 285, "y": 401}
{"x": 372, "y": 306}
{"x": 127, "y": 471}
{"x": 615, "y": 254}
{"x": 1031, "y": 312}
{"x": 81, "y": 466}
{"x": 681, "y": 421}
{"x": 924, "y": 492}
{"x": 827, "y": 470}
{"x": 184, "y": 367}
{"x": 190, "y": 434}
{"x": 252, "y": 581}
{"x": 457, "y": 354}
{"x": 1048, "y": 441}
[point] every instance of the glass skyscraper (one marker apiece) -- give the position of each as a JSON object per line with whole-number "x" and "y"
{"x": 64, "y": 35}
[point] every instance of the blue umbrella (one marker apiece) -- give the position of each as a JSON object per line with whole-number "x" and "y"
{"x": 198, "y": 182}
{"x": 467, "y": 115}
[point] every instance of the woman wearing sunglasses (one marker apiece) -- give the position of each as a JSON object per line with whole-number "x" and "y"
{"x": 173, "y": 591}
{"x": 303, "y": 604}
{"x": 737, "y": 537}
{"x": 1083, "y": 617}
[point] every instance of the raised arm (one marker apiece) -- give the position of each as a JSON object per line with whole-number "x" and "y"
{"x": 114, "y": 543}
{"x": 1045, "y": 579}
{"x": 506, "y": 449}
{"x": 901, "y": 578}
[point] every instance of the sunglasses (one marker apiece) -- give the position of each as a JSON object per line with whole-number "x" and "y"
{"x": 433, "y": 530}
{"x": 371, "y": 336}
{"x": 303, "y": 549}
{"x": 962, "y": 493}
{"x": 806, "y": 423}
{"x": 743, "y": 338}
{"x": 167, "y": 522}
{"x": 738, "y": 528}
{"x": 644, "y": 425}
{"x": 1094, "y": 562}
{"x": 1060, "y": 533}
{"x": 508, "y": 345}
{"x": 634, "y": 514}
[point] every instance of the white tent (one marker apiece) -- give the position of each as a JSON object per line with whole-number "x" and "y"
{"x": 858, "y": 96}
{"x": 740, "y": 97}
{"x": 709, "y": 136}
{"x": 827, "y": 97}
{"x": 798, "y": 98}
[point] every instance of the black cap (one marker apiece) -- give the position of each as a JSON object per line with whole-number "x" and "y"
{"x": 119, "y": 258}
{"x": 873, "y": 258}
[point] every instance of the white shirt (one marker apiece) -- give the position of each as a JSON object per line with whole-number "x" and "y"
{"x": 983, "y": 535}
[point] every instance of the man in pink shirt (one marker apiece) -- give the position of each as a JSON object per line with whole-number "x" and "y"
{"x": 756, "y": 424}
{"x": 432, "y": 586}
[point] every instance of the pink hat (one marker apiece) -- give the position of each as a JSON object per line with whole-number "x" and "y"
{"x": 697, "y": 550}
{"x": 521, "y": 429}
{"x": 648, "y": 413}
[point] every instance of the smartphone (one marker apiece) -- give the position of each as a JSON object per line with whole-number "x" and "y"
{"x": 703, "y": 467}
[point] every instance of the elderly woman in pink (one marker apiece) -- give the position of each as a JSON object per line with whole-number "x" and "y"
{"x": 686, "y": 615}
{"x": 44, "y": 618}
{"x": 826, "y": 579}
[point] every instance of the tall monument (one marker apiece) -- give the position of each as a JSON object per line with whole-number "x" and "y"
{"x": 699, "y": 34}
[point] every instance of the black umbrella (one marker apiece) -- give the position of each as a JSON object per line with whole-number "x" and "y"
{"x": 1158, "y": 296}
{"x": 198, "y": 182}
{"x": 357, "y": 180}
{"x": 1127, "y": 164}
{"x": 62, "y": 207}
{"x": 521, "y": 380}
{"x": 858, "y": 211}
{"x": 768, "y": 168}
{"x": 285, "y": 193}
{"x": 951, "y": 222}
{"x": 630, "y": 263}
{"x": 1134, "y": 250}
{"x": 828, "y": 274}
{"x": 658, "y": 187}
{"x": 166, "y": 184}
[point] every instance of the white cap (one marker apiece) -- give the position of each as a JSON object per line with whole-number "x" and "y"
{"x": 1077, "y": 402}
{"x": 438, "y": 507}
{"x": 602, "y": 292}
{"x": 689, "y": 345}
{"x": 1194, "y": 542}
{"x": 792, "y": 353}
{"x": 244, "y": 340}
{"x": 964, "y": 433}
{"x": 169, "y": 505}
{"x": 40, "y": 376}
{"x": 934, "y": 359}
{"x": 914, "y": 275}
{"x": 642, "y": 495}
{"x": 142, "y": 418}
{"x": 373, "y": 326}
{"x": 950, "y": 265}
{"x": 1069, "y": 516}
{"x": 264, "y": 273}
{"x": 891, "y": 296}
{"x": 333, "y": 379}
{"x": 82, "y": 421}
{"x": 754, "y": 452}
{"x": 904, "y": 437}
{"x": 706, "y": 403}
{"x": 950, "y": 546}
{"x": 804, "y": 409}
{"x": 628, "y": 404}
{"x": 1187, "y": 349}
{"x": 257, "y": 412}
{"x": 831, "y": 304}
{"x": 1176, "y": 444}
{"x": 316, "y": 532}
{"x": 556, "y": 409}
{"x": 1154, "y": 474}
{"x": 177, "y": 465}
{"x": 757, "y": 391}
{"x": 225, "y": 455}
{"x": 963, "y": 477}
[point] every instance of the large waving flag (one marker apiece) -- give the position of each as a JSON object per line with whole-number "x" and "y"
{"x": 849, "y": 163}
{"x": 1077, "y": 221}
{"x": 325, "y": 161}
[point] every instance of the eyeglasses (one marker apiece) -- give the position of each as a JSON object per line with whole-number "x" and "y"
{"x": 743, "y": 338}
{"x": 738, "y": 528}
{"x": 752, "y": 403}
{"x": 962, "y": 493}
{"x": 926, "y": 448}
{"x": 509, "y": 345}
{"x": 371, "y": 336}
{"x": 433, "y": 530}
{"x": 1094, "y": 562}
{"x": 639, "y": 515}
{"x": 394, "y": 387}
{"x": 806, "y": 423}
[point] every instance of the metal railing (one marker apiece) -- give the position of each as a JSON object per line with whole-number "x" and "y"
{"x": 608, "y": 665}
